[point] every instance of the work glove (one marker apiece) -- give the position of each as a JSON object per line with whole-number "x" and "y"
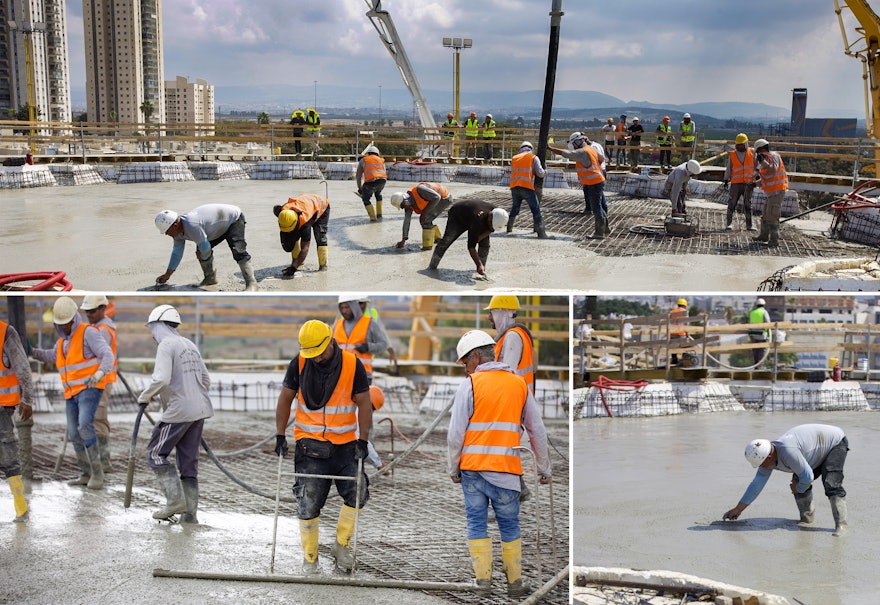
{"x": 94, "y": 379}
{"x": 360, "y": 449}
{"x": 362, "y": 348}
{"x": 281, "y": 445}
{"x": 725, "y": 183}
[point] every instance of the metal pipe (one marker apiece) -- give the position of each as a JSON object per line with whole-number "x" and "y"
{"x": 537, "y": 507}
{"x": 318, "y": 579}
{"x": 547, "y": 587}
{"x": 275, "y": 521}
{"x": 129, "y": 477}
{"x": 549, "y": 81}
{"x": 357, "y": 514}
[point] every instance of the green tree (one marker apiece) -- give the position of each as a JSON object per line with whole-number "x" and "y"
{"x": 263, "y": 118}
{"x": 147, "y": 109}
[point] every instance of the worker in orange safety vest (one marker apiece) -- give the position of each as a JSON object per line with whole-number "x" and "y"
{"x": 16, "y": 395}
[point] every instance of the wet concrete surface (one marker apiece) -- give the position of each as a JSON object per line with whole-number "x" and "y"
{"x": 649, "y": 493}
{"x": 104, "y": 238}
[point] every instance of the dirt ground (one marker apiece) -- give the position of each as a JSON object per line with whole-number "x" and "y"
{"x": 104, "y": 238}
{"x": 649, "y": 493}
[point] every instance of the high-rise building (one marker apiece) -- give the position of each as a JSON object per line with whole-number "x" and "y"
{"x": 123, "y": 60}
{"x": 42, "y": 24}
{"x": 190, "y": 103}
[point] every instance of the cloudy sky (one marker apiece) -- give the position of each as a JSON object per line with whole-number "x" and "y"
{"x": 674, "y": 51}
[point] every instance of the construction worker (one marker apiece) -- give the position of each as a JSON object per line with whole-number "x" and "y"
{"x": 471, "y": 132}
{"x": 366, "y": 309}
{"x": 488, "y": 136}
{"x": 180, "y": 380}
{"x": 429, "y": 201}
{"x": 676, "y": 185}
{"x": 95, "y": 307}
{"x": 759, "y": 315}
{"x": 740, "y": 174}
{"x": 608, "y": 136}
{"x": 635, "y": 142}
{"x": 622, "y": 129}
{"x": 806, "y": 451}
{"x": 450, "y": 129}
{"x": 313, "y": 128}
{"x": 603, "y": 164}
{"x": 298, "y": 121}
{"x": 331, "y": 429}
{"x": 84, "y": 361}
{"x": 490, "y": 408}
{"x": 687, "y": 136}
{"x": 355, "y": 331}
{"x": 479, "y": 219}
{"x": 774, "y": 182}
{"x": 664, "y": 141}
{"x": 16, "y": 394}
{"x": 371, "y": 177}
{"x": 514, "y": 344}
{"x": 295, "y": 218}
{"x": 589, "y": 171}
{"x": 207, "y": 226}
{"x": 678, "y": 317}
{"x": 524, "y": 167}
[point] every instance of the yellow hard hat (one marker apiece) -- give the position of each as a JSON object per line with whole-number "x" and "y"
{"x": 503, "y": 301}
{"x": 741, "y": 138}
{"x": 682, "y": 302}
{"x": 377, "y": 397}
{"x": 314, "y": 336}
{"x": 287, "y": 220}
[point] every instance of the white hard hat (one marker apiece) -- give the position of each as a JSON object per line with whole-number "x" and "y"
{"x": 499, "y": 219}
{"x": 371, "y": 149}
{"x": 64, "y": 310}
{"x": 757, "y": 452}
{"x": 348, "y": 298}
{"x": 93, "y": 301}
{"x": 397, "y": 199}
{"x": 635, "y": 119}
{"x": 576, "y": 136}
{"x": 526, "y": 145}
{"x": 164, "y": 313}
{"x": 761, "y": 143}
{"x": 760, "y": 302}
{"x": 687, "y": 115}
{"x": 693, "y": 166}
{"x": 471, "y": 340}
{"x": 165, "y": 219}
{"x": 489, "y": 115}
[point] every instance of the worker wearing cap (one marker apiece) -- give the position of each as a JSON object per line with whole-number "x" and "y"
{"x": 479, "y": 219}
{"x": 488, "y": 136}
{"x": 806, "y": 451}
{"x": 774, "y": 182}
{"x": 331, "y": 429}
{"x": 95, "y": 307}
{"x": 622, "y": 129}
{"x": 357, "y": 332}
{"x": 16, "y": 395}
{"x": 678, "y": 317}
{"x": 514, "y": 344}
{"x": 296, "y": 217}
{"x": 207, "y": 226}
{"x": 740, "y": 173}
{"x": 687, "y": 136}
{"x": 471, "y": 132}
{"x": 676, "y": 185}
{"x": 371, "y": 177}
{"x": 664, "y": 141}
{"x": 759, "y": 315}
{"x": 589, "y": 171}
{"x": 450, "y": 129}
{"x": 524, "y": 167}
{"x": 608, "y": 136}
{"x": 84, "y": 361}
{"x": 180, "y": 380}
{"x": 428, "y": 201}
{"x": 490, "y": 409}
{"x": 635, "y": 142}
{"x": 298, "y": 121}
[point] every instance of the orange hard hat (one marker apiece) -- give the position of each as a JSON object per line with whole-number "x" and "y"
{"x": 377, "y": 397}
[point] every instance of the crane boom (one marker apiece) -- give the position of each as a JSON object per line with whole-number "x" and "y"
{"x": 866, "y": 48}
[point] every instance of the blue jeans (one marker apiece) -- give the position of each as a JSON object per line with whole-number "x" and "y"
{"x": 81, "y": 410}
{"x": 520, "y": 194}
{"x": 478, "y": 493}
{"x": 593, "y": 195}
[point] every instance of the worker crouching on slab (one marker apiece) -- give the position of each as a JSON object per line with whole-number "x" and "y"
{"x": 180, "y": 380}
{"x": 371, "y": 178}
{"x": 479, "y": 219}
{"x": 16, "y": 394}
{"x": 806, "y": 451}
{"x": 295, "y": 218}
{"x": 331, "y": 429}
{"x": 429, "y": 201}
{"x": 488, "y": 414}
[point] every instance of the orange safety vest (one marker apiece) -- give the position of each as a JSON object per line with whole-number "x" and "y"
{"x": 74, "y": 368}
{"x": 358, "y": 335}
{"x": 774, "y": 180}
{"x": 420, "y": 202}
{"x": 494, "y": 428}
{"x": 521, "y": 170}
{"x": 111, "y": 375}
{"x": 307, "y": 205}
{"x": 592, "y": 174}
{"x": 526, "y": 367}
{"x": 10, "y": 393}
{"x": 620, "y": 128}
{"x": 336, "y": 422}
{"x": 677, "y": 316}
{"x": 745, "y": 172}
{"x": 374, "y": 168}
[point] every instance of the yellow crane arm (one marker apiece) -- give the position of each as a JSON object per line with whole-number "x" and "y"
{"x": 865, "y": 47}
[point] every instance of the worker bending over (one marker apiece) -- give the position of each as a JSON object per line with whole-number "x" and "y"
{"x": 429, "y": 201}
{"x": 296, "y": 217}
{"x": 371, "y": 177}
{"x": 479, "y": 219}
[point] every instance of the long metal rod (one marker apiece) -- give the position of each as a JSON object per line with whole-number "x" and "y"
{"x": 275, "y": 521}
{"x": 537, "y": 508}
{"x": 318, "y": 579}
{"x": 550, "y": 585}
{"x": 357, "y": 514}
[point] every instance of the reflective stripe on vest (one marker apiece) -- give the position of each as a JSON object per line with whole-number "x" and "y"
{"x": 592, "y": 174}
{"x": 521, "y": 170}
{"x": 494, "y": 428}
{"x": 374, "y": 168}
{"x": 774, "y": 180}
{"x": 742, "y": 172}
{"x": 663, "y": 139}
{"x": 450, "y": 134}
{"x": 676, "y": 317}
{"x": 10, "y": 393}
{"x": 526, "y": 367}
{"x": 421, "y": 203}
{"x": 358, "y": 335}
{"x": 312, "y": 121}
{"x": 307, "y": 205}
{"x": 74, "y": 368}
{"x": 489, "y": 131}
{"x": 685, "y": 129}
{"x": 471, "y": 128}
{"x": 111, "y": 375}
{"x": 336, "y": 422}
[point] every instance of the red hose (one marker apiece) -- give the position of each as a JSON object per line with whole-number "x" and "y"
{"x": 48, "y": 280}
{"x": 604, "y": 382}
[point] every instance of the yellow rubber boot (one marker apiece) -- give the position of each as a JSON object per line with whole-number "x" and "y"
{"x": 437, "y": 233}
{"x": 308, "y": 535}
{"x": 372, "y": 212}
{"x": 322, "y": 257}
{"x": 17, "y": 487}
{"x": 427, "y": 239}
{"x": 511, "y": 562}
{"x": 481, "y": 558}
{"x": 341, "y": 550}
{"x": 379, "y": 209}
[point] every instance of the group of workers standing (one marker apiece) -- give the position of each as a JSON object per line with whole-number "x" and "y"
{"x": 474, "y": 132}
{"x": 622, "y": 136}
